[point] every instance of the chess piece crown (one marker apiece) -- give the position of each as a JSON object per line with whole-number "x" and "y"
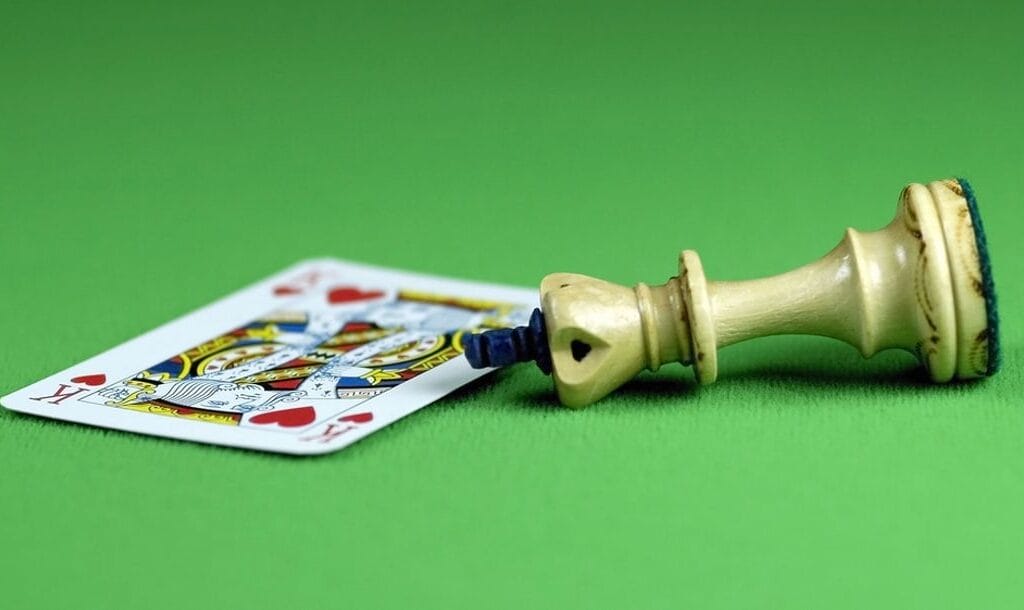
{"x": 923, "y": 284}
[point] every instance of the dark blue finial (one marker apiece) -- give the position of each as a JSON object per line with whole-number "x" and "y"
{"x": 510, "y": 345}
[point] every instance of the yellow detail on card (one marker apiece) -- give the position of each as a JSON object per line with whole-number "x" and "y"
{"x": 227, "y": 419}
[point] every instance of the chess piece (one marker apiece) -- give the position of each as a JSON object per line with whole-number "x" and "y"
{"x": 923, "y": 284}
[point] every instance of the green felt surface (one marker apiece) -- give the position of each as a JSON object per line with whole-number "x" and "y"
{"x": 156, "y": 156}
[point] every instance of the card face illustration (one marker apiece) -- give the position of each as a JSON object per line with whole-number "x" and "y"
{"x": 306, "y": 362}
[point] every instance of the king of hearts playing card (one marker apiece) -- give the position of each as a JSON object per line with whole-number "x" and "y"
{"x": 307, "y": 361}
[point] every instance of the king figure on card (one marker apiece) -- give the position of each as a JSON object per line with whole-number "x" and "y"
{"x": 922, "y": 284}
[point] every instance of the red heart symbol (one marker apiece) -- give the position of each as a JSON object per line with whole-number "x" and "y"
{"x": 347, "y": 294}
{"x": 97, "y": 379}
{"x": 282, "y": 291}
{"x": 358, "y": 418}
{"x": 288, "y": 418}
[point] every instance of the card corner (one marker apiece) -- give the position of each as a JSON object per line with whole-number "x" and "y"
{"x": 6, "y": 402}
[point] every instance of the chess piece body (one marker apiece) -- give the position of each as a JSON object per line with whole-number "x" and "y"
{"x": 923, "y": 284}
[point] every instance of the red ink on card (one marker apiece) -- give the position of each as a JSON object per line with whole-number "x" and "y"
{"x": 63, "y": 393}
{"x": 288, "y": 418}
{"x": 93, "y": 380}
{"x": 357, "y": 418}
{"x": 349, "y": 294}
{"x": 330, "y": 433}
{"x": 283, "y": 291}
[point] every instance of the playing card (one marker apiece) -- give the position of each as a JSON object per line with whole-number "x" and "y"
{"x": 307, "y": 361}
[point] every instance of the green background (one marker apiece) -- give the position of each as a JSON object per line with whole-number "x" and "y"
{"x": 156, "y": 156}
